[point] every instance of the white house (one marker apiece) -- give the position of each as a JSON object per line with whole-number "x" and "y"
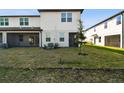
{"x": 50, "y": 26}
{"x": 109, "y": 32}
{"x": 19, "y": 30}
{"x": 59, "y": 26}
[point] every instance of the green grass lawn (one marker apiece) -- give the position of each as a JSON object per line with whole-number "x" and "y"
{"x": 39, "y": 58}
{"x": 30, "y": 65}
{"x": 112, "y": 49}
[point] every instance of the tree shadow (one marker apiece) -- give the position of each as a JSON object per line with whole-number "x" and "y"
{"x": 83, "y": 54}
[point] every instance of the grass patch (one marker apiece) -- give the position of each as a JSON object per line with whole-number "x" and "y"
{"x": 34, "y": 58}
{"x": 61, "y": 65}
{"x": 112, "y": 49}
{"x": 9, "y": 75}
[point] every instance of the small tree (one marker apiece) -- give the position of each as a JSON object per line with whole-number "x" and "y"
{"x": 80, "y": 36}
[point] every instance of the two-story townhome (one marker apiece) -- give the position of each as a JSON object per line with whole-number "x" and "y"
{"x": 59, "y": 26}
{"x": 109, "y": 32}
{"x": 50, "y": 26}
{"x": 20, "y": 30}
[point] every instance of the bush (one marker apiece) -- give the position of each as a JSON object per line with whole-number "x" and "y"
{"x": 89, "y": 43}
{"x": 84, "y": 43}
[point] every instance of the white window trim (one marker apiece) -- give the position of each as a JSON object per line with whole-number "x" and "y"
{"x": 66, "y": 17}
{"x": 25, "y": 21}
{"x": 120, "y": 19}
{"x": 4, "y": 22}
{"x": 61, "y": 37}
{"x": 48, "y": 35}
{"x": 106, "y": 25}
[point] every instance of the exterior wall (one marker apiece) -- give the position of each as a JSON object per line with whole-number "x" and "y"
{"x": 14, "y": 22}
{"x": 112, "y": 29}
{"x": 55, "y": 38}
{"x": 51, "y": 22}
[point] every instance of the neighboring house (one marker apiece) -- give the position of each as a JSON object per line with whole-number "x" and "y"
{"x": 109, "y": 32}
{"x": 51, "y": 26}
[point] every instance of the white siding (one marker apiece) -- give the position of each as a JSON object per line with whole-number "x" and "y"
{"x": 51, "y": 22}
{"x": 14, "y": 22}
{"x": 112, "y": 29}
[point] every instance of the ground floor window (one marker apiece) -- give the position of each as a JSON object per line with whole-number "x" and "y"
{"x": 48, "y": 39}
{"x": 61, "y": 36}
{"x": 99, "y": 39}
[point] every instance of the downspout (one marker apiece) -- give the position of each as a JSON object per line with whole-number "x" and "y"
{"x": 122, "y": 36}
{"x": 40, "y": 38}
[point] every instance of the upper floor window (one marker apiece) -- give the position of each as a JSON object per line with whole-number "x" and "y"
{"x": 105, "y": 25}
{"x": 24, "y": 21}
{"x": 4, "y": 21}
{"x": 118, "y": 20}
{"x": 94, "y": 29}
{"x": 61, "y": 36}
{"x": 69, "y": 17}
{"x": 66, "y": 17}
{"x": 63, "y": 17}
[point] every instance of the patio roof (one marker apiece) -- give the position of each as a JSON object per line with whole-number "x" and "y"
{"x": 95, "y": 35}
{"x": 20, "y": 29}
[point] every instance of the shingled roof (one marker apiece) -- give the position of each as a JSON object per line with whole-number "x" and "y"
{"x": 50, "y": 10}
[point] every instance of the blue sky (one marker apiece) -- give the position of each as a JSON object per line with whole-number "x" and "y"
{"x": 90, "y": 16}
{"x": 18, "y": 12}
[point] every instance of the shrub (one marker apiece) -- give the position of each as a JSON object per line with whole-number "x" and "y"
{"x": 89, "y": 43}
{"x": 84, "y": 43}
